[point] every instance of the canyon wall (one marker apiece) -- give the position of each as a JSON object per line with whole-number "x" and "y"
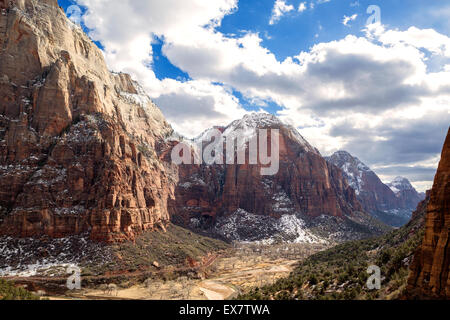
{"x": 430, "y": 271}
{"x": 79, "y": 145}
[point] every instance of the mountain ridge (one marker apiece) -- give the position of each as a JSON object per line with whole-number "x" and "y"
{"x": 377, "y": 197}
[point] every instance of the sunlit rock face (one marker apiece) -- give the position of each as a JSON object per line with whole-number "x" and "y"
{"x": 430, "y": 271}
{"x": 79, "y": 145}
{"x": 239, "y": 198}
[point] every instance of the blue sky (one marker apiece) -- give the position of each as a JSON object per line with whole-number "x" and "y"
{"x": 298, "y": 31}
{"x": 379, "y": 91}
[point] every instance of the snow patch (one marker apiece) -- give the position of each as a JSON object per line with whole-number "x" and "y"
{"x": 247, "y": 227}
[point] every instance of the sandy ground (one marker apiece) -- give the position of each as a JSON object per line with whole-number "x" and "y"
{"x": 238, "y": 272}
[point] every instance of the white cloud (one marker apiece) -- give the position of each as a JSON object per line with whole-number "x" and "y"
{"x": 301, "y": 7}
{"x": 126, "y": 30}
{"x": 196, "y": 105}
{"x": 427, "y": 39}
{"x": 280, "y": 8}
{"x": 359, "y": 83}
{"x": 346, "y": 19}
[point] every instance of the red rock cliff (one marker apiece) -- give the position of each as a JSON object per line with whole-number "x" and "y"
{"x": 430, "y": 276}
{"x": 305, "y": 183}
{"x": 78, "y": 145}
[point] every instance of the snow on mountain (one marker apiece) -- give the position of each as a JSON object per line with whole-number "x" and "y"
{"x": 49, "y": 257}
{"x": 353, "y": 169}
{"x": 247, "y": 227}
{"x": 246, "y": 128}
{"x": 392, "y": 203}
{"x": 400, "y": 184}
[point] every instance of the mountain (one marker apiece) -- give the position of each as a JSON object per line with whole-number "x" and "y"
{"x": 430, "y": 271}
{"x": 306, "y": 200}
{"x": 79, "y": 145}
{"x": 407, "y": 196}
{"x": 392, "y": 203}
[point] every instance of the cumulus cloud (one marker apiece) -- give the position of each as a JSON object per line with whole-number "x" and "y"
{"x": 127, "y": 29}
{"x": 395, "y": 142}
{"x": 280, "y": 8}
{"x": 427, "y": 39}
{"x": 414, "y": 173}
{"x": 196, "y": 105}
{"x": 301, "y": 7}
{"x": 373, "y": 95}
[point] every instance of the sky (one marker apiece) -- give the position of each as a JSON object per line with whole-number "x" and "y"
{"x": 369, "y": 77}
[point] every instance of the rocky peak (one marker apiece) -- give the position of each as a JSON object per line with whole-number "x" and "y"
{"x": 400, "y": 184}
{"x": 352, "y": 167}
{"x": 344, "y": 159}
{"x": 305, "y": 187}
{"x": 248, "y": 125}
{"x": 392, "y": 203}
{"x": 256, "y": 120}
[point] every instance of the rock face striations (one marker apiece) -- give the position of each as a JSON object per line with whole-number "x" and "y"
{"x": 79, "y": 146}
{"x": 392, "y": 203}
{"x": 234, "y": 197}
{"x": 430, "y": 271}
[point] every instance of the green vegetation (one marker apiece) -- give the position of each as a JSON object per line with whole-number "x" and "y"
{"x": 340, "y": 273}
{"x": 168, "y": 248}
{"x": 9, "y": 292}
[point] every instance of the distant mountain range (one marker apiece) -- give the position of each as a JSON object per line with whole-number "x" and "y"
{"x": 392, "y": 203}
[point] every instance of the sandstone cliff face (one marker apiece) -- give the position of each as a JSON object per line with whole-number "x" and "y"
{"x": 305, "y": 185}
{"x": 377, "y": 198}
{"x": 79, "y": 146}
{"x": 430, "y": 272}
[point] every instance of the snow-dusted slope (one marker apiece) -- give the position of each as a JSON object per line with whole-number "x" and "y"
{"x": 248, "y": 227}
{"x": 237, "y": 202}
{"x": 392, "y": 203}
{"x": 400, "y": 184}
{"x": 407, "y": 195}
{"x": 247, "y": 128}
{"x": 353, "y": 169}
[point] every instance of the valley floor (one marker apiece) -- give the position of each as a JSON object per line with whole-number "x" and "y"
{"x": 235, "y": 271}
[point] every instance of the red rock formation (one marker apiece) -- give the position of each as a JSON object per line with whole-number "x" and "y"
{"x": 430, "y": 272}
{"x": 377, "y": 198}
{"x": 305, "y": 183}
{"x": 78, "y": 145}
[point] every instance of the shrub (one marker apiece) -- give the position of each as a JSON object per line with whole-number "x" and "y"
{"x": 9, "y": 292}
